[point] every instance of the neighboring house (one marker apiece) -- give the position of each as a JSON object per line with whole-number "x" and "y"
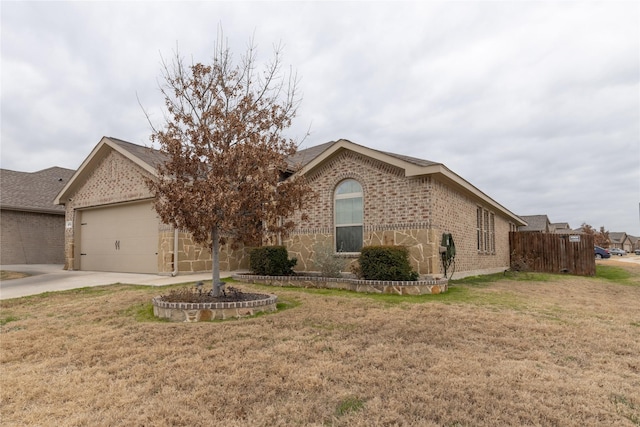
{"x": 541, "y": 224}
{"x": 31, "y": 224}
{"x": 620, "y": 240}
{"x": 634, "y": 242}
{"x": 365, "y": 197}
{"x": 536, "y": 223}
{"x": 562, "y": 228}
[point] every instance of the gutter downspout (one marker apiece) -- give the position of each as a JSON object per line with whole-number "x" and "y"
{"x": 175, "y": 253}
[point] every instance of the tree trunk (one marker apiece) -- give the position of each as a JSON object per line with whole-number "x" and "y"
{"x": 216, "y": 283}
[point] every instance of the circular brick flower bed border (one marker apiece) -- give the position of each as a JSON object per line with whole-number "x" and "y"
{"x": 204, "y": 311}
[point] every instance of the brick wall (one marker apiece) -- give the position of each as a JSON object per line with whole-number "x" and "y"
{"x": 396, "y": 210}
{"x": 412, "y": 211}
{"x": 31, "y": 238}
{"x": 455, "y": 213}
{"x": 390, "y": 199}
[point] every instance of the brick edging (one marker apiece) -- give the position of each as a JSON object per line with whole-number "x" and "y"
{"x": 428, "y": 282}
{"x": 158, "y": 302}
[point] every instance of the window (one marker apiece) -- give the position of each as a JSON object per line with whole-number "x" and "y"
{"x": 485, "y": 231}
{"x": 348, "y": 216}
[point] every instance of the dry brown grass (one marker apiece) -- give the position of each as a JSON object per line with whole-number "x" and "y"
{"x": 10, "y": 275}
{"x": 564, "y": 351}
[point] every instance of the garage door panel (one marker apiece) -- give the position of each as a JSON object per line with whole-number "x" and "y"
{"x": 120, "y": 238}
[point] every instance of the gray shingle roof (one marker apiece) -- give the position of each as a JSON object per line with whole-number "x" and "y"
{"x": 304, "y": 156}
{"x": 33, "y": 191}
{"x": 535, "y": 223}
{"x": 617, "y": 236}
{"x": 151, "y": 156}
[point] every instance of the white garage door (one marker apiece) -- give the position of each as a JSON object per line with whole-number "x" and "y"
{"x": 121, "y": 238}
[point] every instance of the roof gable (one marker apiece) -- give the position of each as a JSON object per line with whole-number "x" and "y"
{"x": 617, "y": 236}
{"x": 146, "y": 158}
{"x": 412, "y": 166}
{"x": 33, "y": 191}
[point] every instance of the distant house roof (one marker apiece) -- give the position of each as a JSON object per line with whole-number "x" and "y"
{"x": 617, "y": 236}
{"x": 538, "y": 223}
{"x": 562, "y": 228}
{"x": 33, "y": 191}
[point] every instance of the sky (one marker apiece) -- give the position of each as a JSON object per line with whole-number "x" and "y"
{"x": 535, "y": 103}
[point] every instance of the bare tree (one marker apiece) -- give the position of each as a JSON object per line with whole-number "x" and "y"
{"x": 600, "y": 238}
{"x": 226, "y": 175}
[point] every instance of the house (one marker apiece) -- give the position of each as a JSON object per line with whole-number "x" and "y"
{"x": 536, "y": 223}
{"x": 31, "y": 225}
{"x": 365, "y": 197}
{"x": 620, "y": 240}
{"x": 562, "y": 228}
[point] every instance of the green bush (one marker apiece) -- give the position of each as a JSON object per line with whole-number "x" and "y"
{"x": 271, "y": 261}
{"x": 385, "y": 263}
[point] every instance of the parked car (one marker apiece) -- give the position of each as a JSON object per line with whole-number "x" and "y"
{"x": 637, "y": 251}
{"x": 601, "y": 253}
{"x": 616, "y": 251}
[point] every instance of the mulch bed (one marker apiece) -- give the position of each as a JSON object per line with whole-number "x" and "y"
{"x": 195, "y": 295}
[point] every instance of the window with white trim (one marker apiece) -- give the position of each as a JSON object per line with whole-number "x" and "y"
{"x": 348, "y": 214}
{"x": 485, "y": 231}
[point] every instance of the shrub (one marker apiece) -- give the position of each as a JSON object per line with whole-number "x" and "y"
{"x": 329, "y": 263}
{"x": 385, "y": 263}
{"x": 271, "y": 261}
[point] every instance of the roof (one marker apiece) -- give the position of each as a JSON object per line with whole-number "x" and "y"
{"x": 33, "y": 191}
{"x": 301, "y": 163}
{"x": 303, "y": 157}
{"x": 148, "y": 155}
{"x": 535, "y": 223}
{"x": 617, "y": 236}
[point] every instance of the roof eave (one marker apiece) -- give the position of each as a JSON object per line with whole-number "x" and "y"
{"x": 32, "y": 210}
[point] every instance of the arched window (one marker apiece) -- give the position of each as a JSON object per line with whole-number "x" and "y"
{"x": 348, "y": 216}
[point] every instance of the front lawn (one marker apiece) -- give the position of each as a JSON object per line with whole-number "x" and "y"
{"x": 504, "y": 350}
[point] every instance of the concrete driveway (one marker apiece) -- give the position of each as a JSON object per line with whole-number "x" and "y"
{"x": 48, "y": 278}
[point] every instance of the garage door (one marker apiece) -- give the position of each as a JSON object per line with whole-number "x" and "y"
{"x": 121, "y": 238}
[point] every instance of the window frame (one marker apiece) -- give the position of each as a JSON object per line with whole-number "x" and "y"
{"x": 485, "y": 231}
{"x": 347, "y": 196}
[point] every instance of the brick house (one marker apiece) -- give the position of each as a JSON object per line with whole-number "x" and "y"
{"x": 365, "y": 197}
{"x": 621, "y": 240}
{"x": 536, "y": 224}
{"x": 31, "y": 225}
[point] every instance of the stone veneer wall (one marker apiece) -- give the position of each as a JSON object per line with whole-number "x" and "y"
{"x": 422, "y": 245}
{"x": 194, "y": 258}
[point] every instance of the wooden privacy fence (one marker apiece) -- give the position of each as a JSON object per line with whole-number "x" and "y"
{"x": 552, "y": 253}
